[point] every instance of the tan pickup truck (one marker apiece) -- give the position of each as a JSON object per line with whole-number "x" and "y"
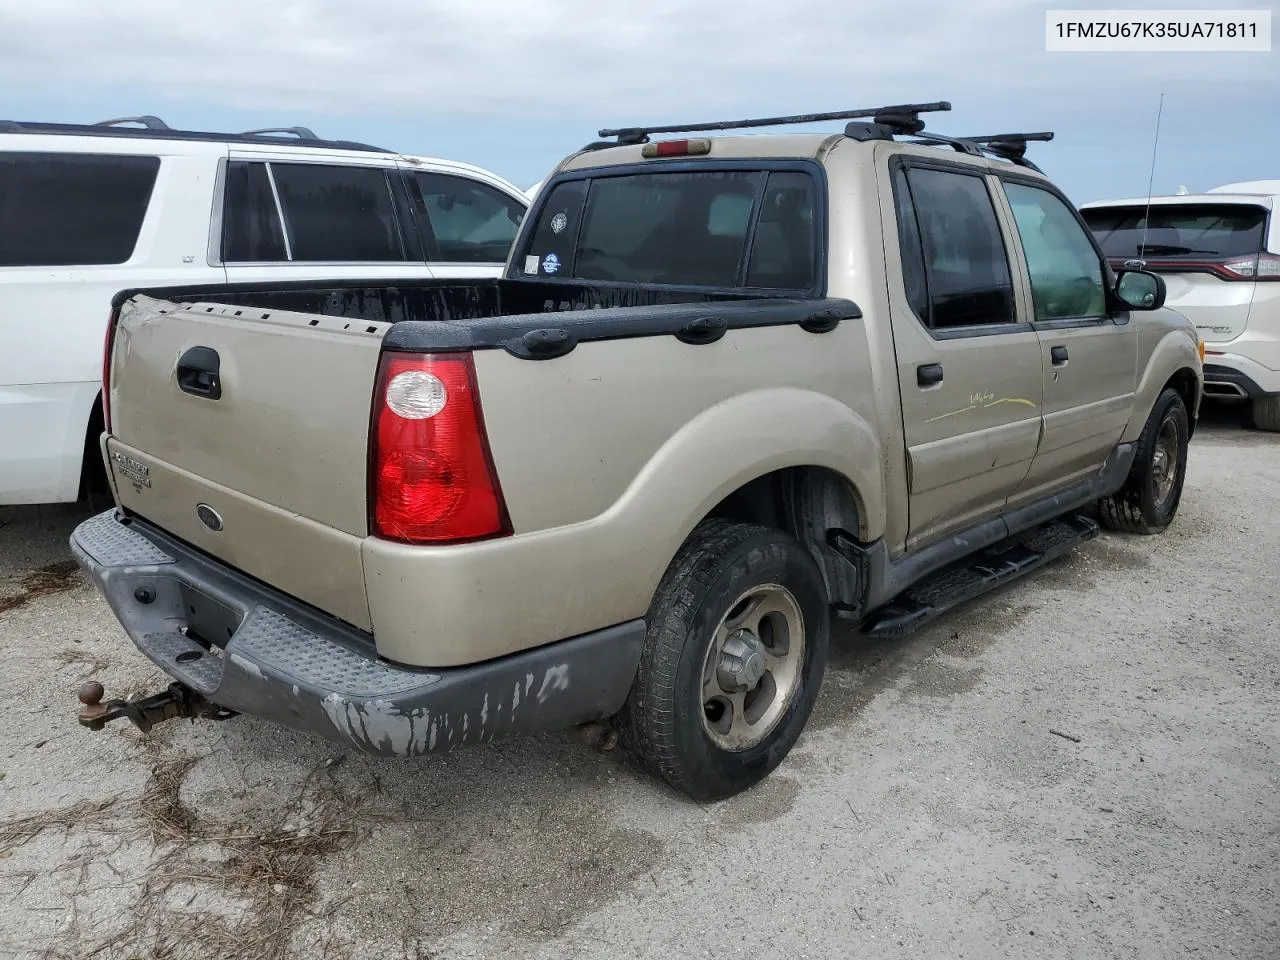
{"x": 728, "y": 388}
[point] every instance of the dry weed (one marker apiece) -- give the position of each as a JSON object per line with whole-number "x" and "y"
{"x": 54, "y": 578}
{"x": 92, "y": 662}
{"x": 86, "y": 814}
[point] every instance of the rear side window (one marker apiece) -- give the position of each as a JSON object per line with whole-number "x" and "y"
{"x": 471, "y": 221}
{"x": 338, "y": 214}
{"x": 60, "y": 209}
{"x": 782, "y": 253}
{"x": 966, "y": 266}
{"x": 1189, "y": 231}
{"x": 710, "y": 228}
{"x": 551, "y": 250}
{"x": 251, "y": 231}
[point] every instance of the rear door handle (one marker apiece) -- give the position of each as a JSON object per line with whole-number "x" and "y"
{"x": 929, "y": 374}
{"x": 198, "y": 373}
{"x": 1058, "y": 355}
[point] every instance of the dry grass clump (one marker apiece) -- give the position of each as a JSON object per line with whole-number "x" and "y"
{"x": 54, "y": 578}
{"x": 212, "y": 889}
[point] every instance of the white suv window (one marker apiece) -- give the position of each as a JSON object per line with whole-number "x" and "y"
{"x": 251, "y": 231}
{"x": 332, "y": 214}
{"x": 472, "y": 222}
{"x": 72, "y": 209}
{"x": 1195, "y": 232}
{"x": 338, "y": 214}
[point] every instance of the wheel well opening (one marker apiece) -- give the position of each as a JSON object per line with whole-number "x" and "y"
{"x": 1184, "y": 381}
{"x": 93, "y": 472}
{"x": 810, "y": 503}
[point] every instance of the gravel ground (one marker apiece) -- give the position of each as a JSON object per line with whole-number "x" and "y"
{"x": 928, "y": 811}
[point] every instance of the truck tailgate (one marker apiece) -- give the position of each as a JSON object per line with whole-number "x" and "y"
{"x": 276, "y": 455}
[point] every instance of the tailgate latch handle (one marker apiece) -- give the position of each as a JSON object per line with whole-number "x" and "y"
{"x": 198, "y": 373}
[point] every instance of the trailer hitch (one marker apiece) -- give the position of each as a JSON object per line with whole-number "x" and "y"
{"x": 178, "y": 700}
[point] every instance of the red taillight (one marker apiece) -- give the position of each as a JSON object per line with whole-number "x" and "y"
{"x": 431, "y": 474}
{"x": 676, "y": 148}
{"x": 106, "y": 372}
{"x": 1263, "y": 267}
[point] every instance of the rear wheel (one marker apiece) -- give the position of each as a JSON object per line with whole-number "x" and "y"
{"x": 1266, "y": 413}
{"x": 732, "y": 663}
{"x": 1150, "y": 496}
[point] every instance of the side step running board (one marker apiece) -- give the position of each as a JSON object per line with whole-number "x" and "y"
{"x": 961, "y": 582}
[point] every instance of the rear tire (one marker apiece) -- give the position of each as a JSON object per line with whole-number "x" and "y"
{"x": 738, "y": 629}
{"x": 94, "y": 485}
{"x": 1266, "y": 414}
{"x": 1150, "y": 496}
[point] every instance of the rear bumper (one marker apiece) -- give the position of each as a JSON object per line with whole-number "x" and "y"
{"x": 1231, "y": 377}
{"x": 267, "y": 655}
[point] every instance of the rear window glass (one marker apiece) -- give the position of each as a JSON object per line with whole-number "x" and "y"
{"x": 712, "y": 228}
{"x": 72, "y": 209}
{"x": 1193, "y": 231}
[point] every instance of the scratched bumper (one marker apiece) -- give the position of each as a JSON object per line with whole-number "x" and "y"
{"x": 253, "y": 650}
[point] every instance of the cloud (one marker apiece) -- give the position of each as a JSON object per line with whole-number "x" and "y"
{"x": 559, "y": 58}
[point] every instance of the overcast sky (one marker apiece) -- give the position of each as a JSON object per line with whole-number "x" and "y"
{"x": 514, "y": 86}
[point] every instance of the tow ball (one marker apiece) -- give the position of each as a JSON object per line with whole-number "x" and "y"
{"x": 177, "y": 701}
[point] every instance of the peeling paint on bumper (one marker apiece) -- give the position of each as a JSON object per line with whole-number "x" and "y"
{"x": 292, "y": 665}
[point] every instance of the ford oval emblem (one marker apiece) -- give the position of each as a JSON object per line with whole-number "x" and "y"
{"x": 209, "y": 517}
{"x": 1135, "y": 264}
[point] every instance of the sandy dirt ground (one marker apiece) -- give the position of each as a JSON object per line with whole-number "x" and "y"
{"x": 927, "y": 811}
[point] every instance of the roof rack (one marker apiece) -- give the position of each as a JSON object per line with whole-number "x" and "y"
{"x": 153, "y": 128}
{"x": 886, "y": 123}
{"x": 302, "y": 133}
{"x": 148, "y": 121}
{"x": 900, "y": 118}
{"x": 1007, "y": 146}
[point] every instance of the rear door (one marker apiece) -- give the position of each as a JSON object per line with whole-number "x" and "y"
{"x": 1088, "y": 357}
{"x": 968, "y": 360}
{"x": 294, "y": 216}
{"x": 1206, "y": 250}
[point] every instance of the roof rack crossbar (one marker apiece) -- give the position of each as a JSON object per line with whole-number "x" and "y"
{"x": 1044, "y": 136}
{"x": 150, "y": 121}
{"x": 894, "y": 115}
{"x": 1008, "y": 146}
{"x": 302, "y": 133}
{"x": 1011, "y": 146}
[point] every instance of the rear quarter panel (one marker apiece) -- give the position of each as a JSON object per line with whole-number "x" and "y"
{"x": 608, "y": 457}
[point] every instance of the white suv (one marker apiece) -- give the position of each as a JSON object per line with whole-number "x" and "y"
{"x": 1219, "y": 253}
{"x": 88, "y": 211}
